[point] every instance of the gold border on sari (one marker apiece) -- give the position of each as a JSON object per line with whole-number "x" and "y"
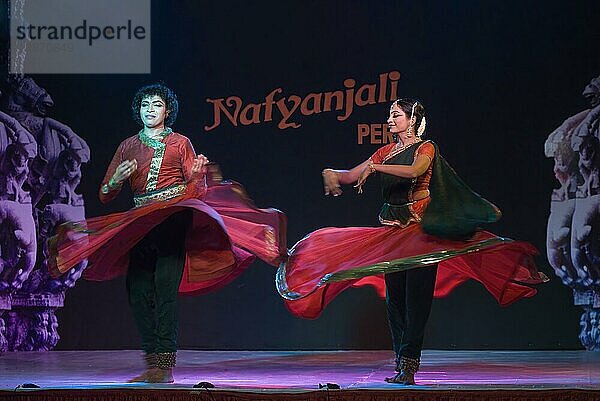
{"x": 384, "y": 267}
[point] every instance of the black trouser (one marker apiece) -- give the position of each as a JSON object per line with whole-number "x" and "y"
{"x": 409, "y": 295}
{"x": 155, "y": 270}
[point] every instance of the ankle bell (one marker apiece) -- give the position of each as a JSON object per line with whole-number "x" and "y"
{"x": 408, "y": 365}
{"x": 166, "y": 360}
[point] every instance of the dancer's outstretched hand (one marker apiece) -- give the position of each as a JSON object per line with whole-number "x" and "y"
{"x": 199, "y": 165}
{"x": 331, "y": 183}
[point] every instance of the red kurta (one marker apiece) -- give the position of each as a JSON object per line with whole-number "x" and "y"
{"x": 176, "y": 166}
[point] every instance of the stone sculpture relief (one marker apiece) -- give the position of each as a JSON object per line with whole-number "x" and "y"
{"x": 40, "y": 169}
{"x": 573, "y": 234}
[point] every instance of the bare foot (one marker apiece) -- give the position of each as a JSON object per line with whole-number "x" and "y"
{"x": 402, "y": 378}
{"x": 160, "y": 376}
{"x": 143, "y": 377}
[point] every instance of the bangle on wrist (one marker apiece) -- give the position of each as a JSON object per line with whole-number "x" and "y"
{"x": 112, "y": 184}
{"x": 372, "y": 167}
{"x": 109, "y": 186}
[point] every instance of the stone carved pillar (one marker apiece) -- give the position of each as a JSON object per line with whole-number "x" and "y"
{"x": 573, "y": 235}
{"x": 40, "y": 170}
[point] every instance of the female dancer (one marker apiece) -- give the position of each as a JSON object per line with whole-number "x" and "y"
{"x": 429, "y": 242}
{"x": 184, "y": 235}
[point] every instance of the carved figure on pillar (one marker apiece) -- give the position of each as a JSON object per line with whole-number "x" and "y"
{"x": 40, "y": 169}
{"x": 573, "y": 236}
{"x": 17, "y": 227}
{"x": 3, "y": 341}
{"x": 29, "y": 104}
{"x": 16, "y": 330}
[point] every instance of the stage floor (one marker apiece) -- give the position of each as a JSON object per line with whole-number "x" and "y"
{"x": 272, "y": 372}
{"x": 291, "y": 370}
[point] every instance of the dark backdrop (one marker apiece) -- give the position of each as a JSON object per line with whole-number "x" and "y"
{"x": 496, "y": 78}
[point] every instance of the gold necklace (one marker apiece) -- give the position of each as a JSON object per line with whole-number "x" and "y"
{"x": 402, "y": 147}
{"x": 398, "y": 149}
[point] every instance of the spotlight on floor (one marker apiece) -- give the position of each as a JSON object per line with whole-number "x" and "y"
{"x": 204, "y": 385}
{"x": 329, "y": 386}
